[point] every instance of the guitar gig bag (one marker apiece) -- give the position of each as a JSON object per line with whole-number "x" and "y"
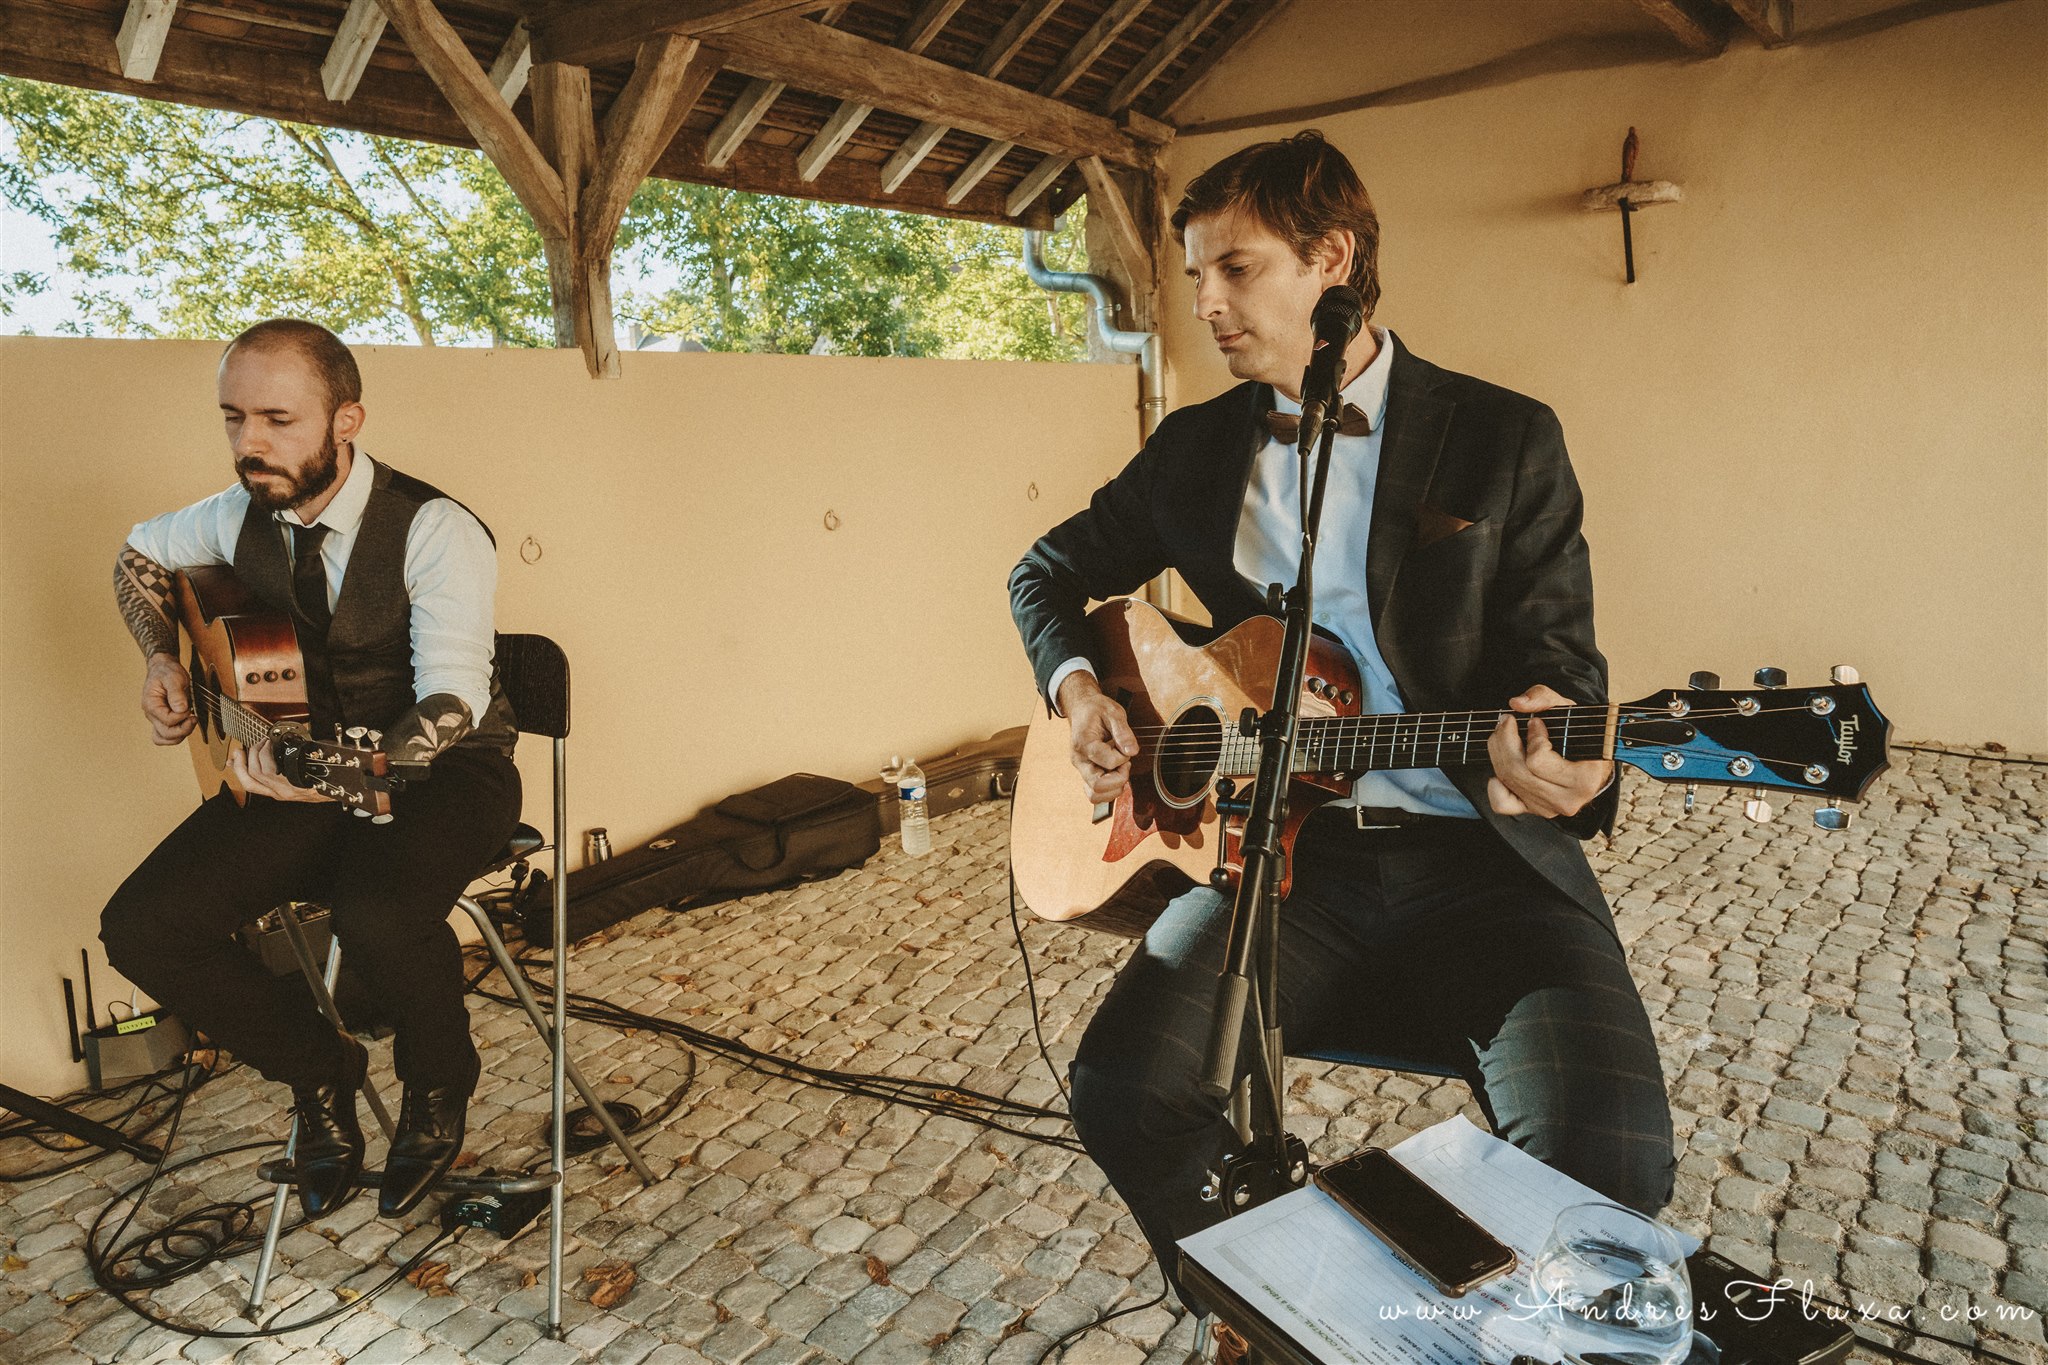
{"x": 797, "y": 828}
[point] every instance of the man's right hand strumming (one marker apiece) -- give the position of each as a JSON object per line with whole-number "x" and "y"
{"x": 167, "y": 699}
{"x": 1103, "y": 743}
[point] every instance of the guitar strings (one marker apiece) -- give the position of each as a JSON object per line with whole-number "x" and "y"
{"x": 1426, "y": 728}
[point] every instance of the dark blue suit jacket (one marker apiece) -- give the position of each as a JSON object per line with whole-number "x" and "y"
{"x": 1465, "y": 616}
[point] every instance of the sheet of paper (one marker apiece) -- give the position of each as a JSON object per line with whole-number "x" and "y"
{"x": 1331, "y": 1285}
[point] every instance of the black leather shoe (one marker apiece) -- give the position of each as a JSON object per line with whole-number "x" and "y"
{"x": 428, "y": 1139}
{"x": 329, "y": 1151}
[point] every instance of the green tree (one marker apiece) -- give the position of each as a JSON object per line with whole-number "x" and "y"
{"x": 194, "y": 222}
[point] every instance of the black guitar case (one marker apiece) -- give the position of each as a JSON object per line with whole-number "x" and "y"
{"x": 797, "y": 828}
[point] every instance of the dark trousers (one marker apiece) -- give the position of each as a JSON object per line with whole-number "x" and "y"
{"x": 1431, "y": 943}
{"x": 170, "y": 928}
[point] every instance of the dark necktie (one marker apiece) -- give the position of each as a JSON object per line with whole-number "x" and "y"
{"x": 309, "y": 574}
{"x": 1352, "y": 422}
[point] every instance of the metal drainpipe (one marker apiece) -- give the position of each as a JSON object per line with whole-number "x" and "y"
{"x": 1144, "y": 345}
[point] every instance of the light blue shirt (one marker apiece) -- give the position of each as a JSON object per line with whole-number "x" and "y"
{"x": 1268, "y": 550}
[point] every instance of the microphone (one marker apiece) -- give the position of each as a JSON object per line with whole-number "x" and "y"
{"x": 1338, "y": 315}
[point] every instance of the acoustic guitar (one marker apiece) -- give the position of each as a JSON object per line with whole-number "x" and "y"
{"x": 1178, "y": 821}
{"x": 249, "y": 688}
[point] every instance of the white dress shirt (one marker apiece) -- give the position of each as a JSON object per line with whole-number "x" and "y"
{"x": 451, "y": 572}
{"x": 1268, "y": 550}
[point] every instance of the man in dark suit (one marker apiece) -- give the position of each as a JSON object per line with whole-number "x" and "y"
{"x": 1437, "y": 916}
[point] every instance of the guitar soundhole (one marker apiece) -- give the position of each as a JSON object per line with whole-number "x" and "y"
{"x": 1189, "y": 755}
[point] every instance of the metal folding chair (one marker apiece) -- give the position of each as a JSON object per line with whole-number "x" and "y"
{"x": 535, "y": 676}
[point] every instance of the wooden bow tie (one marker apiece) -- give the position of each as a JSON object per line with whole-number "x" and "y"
{"x": 1353, "y": 421}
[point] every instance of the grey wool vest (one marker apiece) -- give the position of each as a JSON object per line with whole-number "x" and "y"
{"x": 359, "y": 671}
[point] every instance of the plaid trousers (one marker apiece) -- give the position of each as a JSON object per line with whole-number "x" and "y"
{"x": 1430, "y": 943}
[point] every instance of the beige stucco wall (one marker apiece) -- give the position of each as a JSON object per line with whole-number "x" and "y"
{"x": 720, "y": 636}
{"x": 1816, "y": 429}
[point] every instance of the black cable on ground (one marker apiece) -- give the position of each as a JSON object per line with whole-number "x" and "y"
{"x": 1982, "y": 758}
{"x": 1031, "y": 990}
{"x": 154, "y": 1087}
{"x": 1059, "y": 1343}
{"x": 933, "y": 1097}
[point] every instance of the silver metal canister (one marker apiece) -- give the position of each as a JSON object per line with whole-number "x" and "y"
{"x": 598, "y": 845}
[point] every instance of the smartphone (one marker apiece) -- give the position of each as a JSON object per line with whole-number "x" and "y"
{"x": 1419, "y": 1225}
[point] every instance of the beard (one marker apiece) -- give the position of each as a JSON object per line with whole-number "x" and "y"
{"x": 300, "y": 488}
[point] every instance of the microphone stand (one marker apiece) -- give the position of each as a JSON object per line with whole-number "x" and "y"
{"x": 1274, "y": 1160}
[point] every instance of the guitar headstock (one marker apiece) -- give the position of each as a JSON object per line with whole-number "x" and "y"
{"x": 1824, "y": 741}
{"x": 348, "y": 768}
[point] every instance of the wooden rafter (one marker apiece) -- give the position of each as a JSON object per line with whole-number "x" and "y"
{"x": 840, "y": 65}
{"x": 1079, "y": 58}
{"x": 1177, "y": 40}
{"x": 454, "y": 70}
{"x": 1008, "y": 42}
{"x": 668, "y": 78}
{"x": 1106, "y": 199}
{"x": 1118, "y": 101}
{"x": 513, "y": 64}
{"x": 747, "y": 110}
{"x": 586, "y": 32}
{"x": 1235, "y": 37}
{"x": 1702, "y": 25}
{"x": 845, "y": 121}
{"x": 140, "y": 43}
{"x": 1770, "y": 20}
{"x": 348, "y": 56}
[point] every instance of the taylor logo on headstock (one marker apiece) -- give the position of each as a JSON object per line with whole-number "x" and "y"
{"x": 1845, "y": 739}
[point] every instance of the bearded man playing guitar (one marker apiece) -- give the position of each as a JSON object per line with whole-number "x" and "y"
{"x": 1444, "y": 916}
{"x": 389, "y": 584}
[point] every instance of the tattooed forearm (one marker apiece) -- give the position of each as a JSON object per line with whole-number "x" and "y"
{"x": 427, "y": 729}
{"x": 142, "y": 587}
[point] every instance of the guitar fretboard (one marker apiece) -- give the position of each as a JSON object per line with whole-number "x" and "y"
{"x": 1360, "y": 744}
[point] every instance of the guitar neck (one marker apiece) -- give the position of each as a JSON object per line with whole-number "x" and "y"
{"x": 1437, "y": 739}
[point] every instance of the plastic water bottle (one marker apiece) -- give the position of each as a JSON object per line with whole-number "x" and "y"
{"x": 913, "y": 819}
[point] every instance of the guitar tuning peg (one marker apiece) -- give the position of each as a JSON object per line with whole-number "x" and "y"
{"x": 356, "y": 732}
{"x": 1832, "y": 817}
{"x": 1844, "y": 675}
{"x": 1770, "y": 677}
{"x": 1703, "y": 681}
{"x": 1692, "y": 791}
{"x": 359, "y": 812}
{"x": 384, "y": 819}
{"x": 373, "y": 737}
{"x": 1757, "y": 809}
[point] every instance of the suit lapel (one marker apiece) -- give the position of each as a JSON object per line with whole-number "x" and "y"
{"x": 1417, "y": 418}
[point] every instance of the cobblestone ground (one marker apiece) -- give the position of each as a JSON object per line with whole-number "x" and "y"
{"x": 1854, "y": 1030}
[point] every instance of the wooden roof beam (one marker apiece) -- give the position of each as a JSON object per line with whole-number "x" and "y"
{"x": 586, "y": 32}
{"x": 1702, "y": 25}
{"x": 1106, "y": 199}
{"x": 140, "y": 43}
{"x": 1185, "y": 85}
{"x": 1770, "y": 20}
{"x": 813, "y": 57}
{"x": 747, "y": 110}
{"x": 514, "y": 63}
{"x": 1177, "y": 40}
{"x": 1079, "y": 58}
{"x": 348, "y": 56}
{"x": 454, "y": 70}
{"x": 845, "y": 121}
{"x": 1008, "y": 42}
{"x": 669, "y": 77}
{"x": 1162, "y": 55}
